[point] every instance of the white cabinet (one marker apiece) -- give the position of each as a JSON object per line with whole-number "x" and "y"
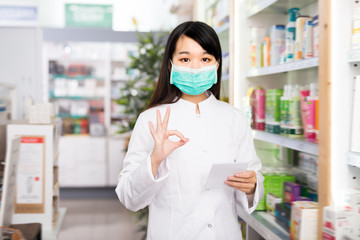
{"x": 116, "y": 153}
{"x": 82, "y": 162}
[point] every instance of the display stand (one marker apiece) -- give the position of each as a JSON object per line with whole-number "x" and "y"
{"x": 37, "y": 192}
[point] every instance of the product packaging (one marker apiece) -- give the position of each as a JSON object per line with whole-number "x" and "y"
{"x": 277, "y": 38}
{"x": 352, "y": 203}
{"x": 283, "y": 215}
{"x": 292, "y": 191}
{"x": 276, "y": 184}
{"x": 304, "y": 217}
{"x": 290, "y": 35}
{"x": 303, "y": 95}
{"x": 301, "y": 21}
{"x": 266, "y": 52}
{"x": 295, "y": 123}
{"x": 338, "y": 223}
{"x": 315, "y": 35}
{"x": 272, "y": 120}
{"x": 271, "y": 201}
{"x": 257, "y": 36}
{"x": 308, "y": 162}
{"x": 355, "y": 133}
{"x": 260, "y": 109}
{"x": 310, "y": 114}
{"x": 308, "y": 41}
{"x": 248, "y": 107}
{"x": 262, "y": 204}
{"x": 284, "y": 110}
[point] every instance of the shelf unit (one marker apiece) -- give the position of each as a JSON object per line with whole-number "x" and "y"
{"x": 296, "y": 144}
{"x": 105, "y": 54}
{"x": 263, "y": 224}
{"x": 282, "y": 68}
{"x": 275, "y": 6}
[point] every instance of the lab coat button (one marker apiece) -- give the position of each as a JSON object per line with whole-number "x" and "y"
{"x": 209, "y": 226}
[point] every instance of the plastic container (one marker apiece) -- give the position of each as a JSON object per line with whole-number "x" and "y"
{"x": 272, "y": 119}
{"x": 290, "y": 36}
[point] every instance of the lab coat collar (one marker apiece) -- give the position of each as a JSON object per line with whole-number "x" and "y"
{"x": 203, "y": 105}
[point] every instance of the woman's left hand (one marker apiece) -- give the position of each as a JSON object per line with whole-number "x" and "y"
{"x": 243, "y": 181}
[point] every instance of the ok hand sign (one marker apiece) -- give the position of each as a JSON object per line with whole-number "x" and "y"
{"x": 163, "y": 145}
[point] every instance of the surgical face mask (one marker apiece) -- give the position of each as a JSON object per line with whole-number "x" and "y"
{"x": 193, "y": 81}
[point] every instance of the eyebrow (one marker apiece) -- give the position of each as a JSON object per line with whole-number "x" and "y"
{"x": 186, "y": 52}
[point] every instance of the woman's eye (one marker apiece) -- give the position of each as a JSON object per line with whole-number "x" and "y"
{"x": 206, "y": 60}
{"x": 185, "y": 60}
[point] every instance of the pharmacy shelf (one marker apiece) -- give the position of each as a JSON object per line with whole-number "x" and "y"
{"x": 296, "y": 144}
{"x": 276, "y": 6}
{"x": 77, "y": 77}
{"x": 53, "y": 235}
{"x": 353, "y": 159}
{"x": 77, "y": 98}
{"x": 65, "y": 115}
{"x": 265, "y": 225}
{"x": 354, "y": 56}
{"x": 282, "y": 68}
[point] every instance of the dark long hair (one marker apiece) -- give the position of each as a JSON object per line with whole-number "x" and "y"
{"x": 208, "y": 40}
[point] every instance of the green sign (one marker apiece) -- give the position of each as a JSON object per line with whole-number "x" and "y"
{"x": 88, "y": 15}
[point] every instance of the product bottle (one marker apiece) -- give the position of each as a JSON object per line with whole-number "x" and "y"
{"x": 310, "y": 118}
{"x": 291, "y": 34}
{"x": 296, "y": 128}
{"x": 305, "y": 92}
{"x": 284, "y": 110}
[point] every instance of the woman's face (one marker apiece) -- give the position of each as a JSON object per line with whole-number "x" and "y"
{"x": 189, "y": 53}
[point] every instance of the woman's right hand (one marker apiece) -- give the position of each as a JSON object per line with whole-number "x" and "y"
{"x": 163, "y": 145}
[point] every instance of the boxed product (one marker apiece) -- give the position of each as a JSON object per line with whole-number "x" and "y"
{"x": 308, "y": 162}
{"x": 271, "y": 201}
{"x": 338, "y": 223}
{"x": 282, "y": 215}
{"x": 292, "y": 191}
{"x": 352, "y": 202}
{"x": 276, "y": 184}
{"x": 262, "y": 204}
{"x": 304, "y": 217}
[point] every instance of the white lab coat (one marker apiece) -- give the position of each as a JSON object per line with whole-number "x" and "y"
{"x": 179, "y": 207}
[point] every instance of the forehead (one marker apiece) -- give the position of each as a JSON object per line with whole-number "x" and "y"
{"x": 188, "y": 45}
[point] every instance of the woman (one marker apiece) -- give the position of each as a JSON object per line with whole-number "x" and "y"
{"x": 167, "y": 171}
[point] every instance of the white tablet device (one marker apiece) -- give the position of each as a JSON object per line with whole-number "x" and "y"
{"x": 219, "y": 172}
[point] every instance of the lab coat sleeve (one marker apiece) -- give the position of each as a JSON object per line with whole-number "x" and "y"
{"x": 246, "y": 153}
{"x": 136, "y": 184}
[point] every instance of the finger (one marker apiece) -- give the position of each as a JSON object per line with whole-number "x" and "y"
{"x": 166, "y": 118}
{"x": 152, "y": 129}
{"x": 246, "y": 174}
{"x": 158, "y": 120}
{"x": 177, "y": 133}
{"x": 180, "y": 143}
{"x": 244, "y": 180}
{"x": 246, "y": 186}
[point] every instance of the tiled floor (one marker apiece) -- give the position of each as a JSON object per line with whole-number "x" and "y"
{"x": 95, "y": 216}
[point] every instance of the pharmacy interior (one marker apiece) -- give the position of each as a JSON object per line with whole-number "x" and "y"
{"x": 70, "y": 91}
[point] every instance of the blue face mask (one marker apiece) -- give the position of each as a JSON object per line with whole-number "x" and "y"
{"x": 193, "y": 81}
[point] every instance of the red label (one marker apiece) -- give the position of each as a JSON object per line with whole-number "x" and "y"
{"x": 32, "y": 140}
